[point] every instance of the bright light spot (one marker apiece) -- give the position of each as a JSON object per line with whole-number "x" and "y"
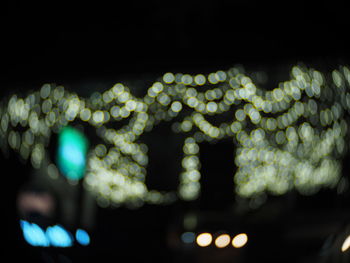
{"x": 82, "y": 237}
{"x": 98, "y": 116}
{"x": 222, "y": 241}
{"x": 176, "y": 106}
{"x": 85, "y": 114}
{"x": 168, "y": 77}
{"x": 199, "y": 79}
{"x": 33, "y": 234}
{"x": 204, "y": 239}
{"x": 58, "y": 236}
{"x": 212, "y": 106}
{"x": 71, "y": 157}
{"x": 187, "y": 237}
{"x": 240, "y": 240}
{"x": 72, "y": 153}
{"x": 346, "y": 244}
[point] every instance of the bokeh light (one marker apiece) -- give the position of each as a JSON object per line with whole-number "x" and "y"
{"x": 240, "y": 240}
{"x": 346, "y": 244}
{"x": 58, "y": 236}
{"x": 33, "y": 234}
{"x": 222, "y": 241}
{"x": 55, "y": 236}
{"x": 204, "y": 239}
{"x": 71, "y": 155}
{"x": 39, "y": 202}
{"x": 82, "y": 237}
{"x": 293, "y": 136}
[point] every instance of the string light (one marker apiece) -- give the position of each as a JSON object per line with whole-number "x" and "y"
{"x": 290, "y": 137}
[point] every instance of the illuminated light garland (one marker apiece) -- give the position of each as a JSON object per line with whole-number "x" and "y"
{"x": 290, "y": 137}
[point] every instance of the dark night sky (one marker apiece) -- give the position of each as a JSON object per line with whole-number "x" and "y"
{"x": 66, "y": 43}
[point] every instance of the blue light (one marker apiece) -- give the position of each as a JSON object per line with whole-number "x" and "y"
{"x": 33, "y": 234}
{"x": 82, "y": 237}
{"x": 188, "y": 237}
{"x": 58, "y": 236}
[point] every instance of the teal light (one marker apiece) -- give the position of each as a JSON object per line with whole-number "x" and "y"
{"x": 71, "y": 155}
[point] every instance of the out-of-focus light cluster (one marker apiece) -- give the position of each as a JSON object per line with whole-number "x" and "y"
{"x": 189, "y": 187}
{"x": 56, "y": 235}
{"x": 292, "y": 136}
{"x": 221, "y": 240}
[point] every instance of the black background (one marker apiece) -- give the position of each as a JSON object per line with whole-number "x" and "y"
{"x": 73, "y": 43}
{"x": 58, "y": 41}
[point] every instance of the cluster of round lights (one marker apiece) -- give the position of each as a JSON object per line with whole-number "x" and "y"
{"x": 292, "y": 136}
{"x": 56, "y": 235}
{"x": 221, "y": 240}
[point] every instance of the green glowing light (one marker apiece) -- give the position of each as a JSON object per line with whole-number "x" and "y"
{"x": 71, "y": 155}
